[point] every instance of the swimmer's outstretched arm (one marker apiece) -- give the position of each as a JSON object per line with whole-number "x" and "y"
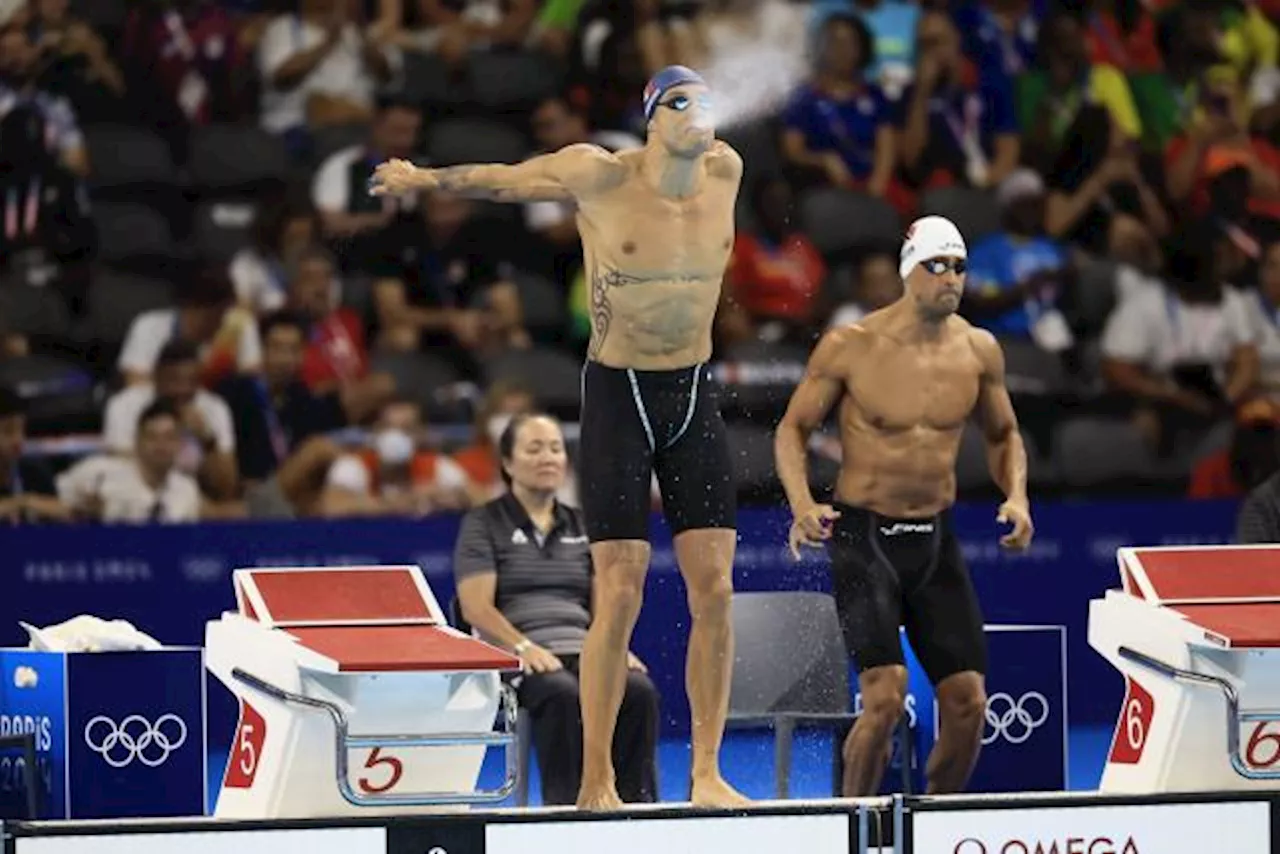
{"x": 569, "y": 173}
{"x": 823, "y": 384}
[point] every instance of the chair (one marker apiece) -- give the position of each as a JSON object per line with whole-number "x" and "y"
{"x": 524, "y": 721}
{"x": 751, "y": 449}
{"x": 115, "y": 299}
{"x": 757, "y": 142}
{"x": 791, "y": 667}
{"x": 33, "y": 311}
{"x": 1031, "y": 370}
{"x": 510, "y": 78}
{"x": 843, "y": 220}
{"x": 128, "y": 231}
{"x": 542, "y": 302}
{"x": 236, "y": 158}
{"x": 974, "y": 212}
{"x": 554, "y": 378}
{"x": 418, "y": 377}
{"x": 1091, "y": 451}
{"x": 455, "y": 141}
{"x": 61, "y": 395}
{"x": 26, "y": 742}
{"x": 124, "y": 156}
{"x": 223, "y": 227}
{"x": 426, "y": 80}
{"x": 971, "y": 461}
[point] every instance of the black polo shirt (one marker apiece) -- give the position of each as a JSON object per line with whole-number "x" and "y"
{"x": 543, "y": 581}
{"x": 268, "y": 429}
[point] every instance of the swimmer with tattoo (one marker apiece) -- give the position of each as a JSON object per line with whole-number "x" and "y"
{"x": 907, "y": 378}
{"x": 657, "y": 229}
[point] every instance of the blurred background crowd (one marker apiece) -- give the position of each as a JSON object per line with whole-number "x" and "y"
{"x": 203, "y": 314}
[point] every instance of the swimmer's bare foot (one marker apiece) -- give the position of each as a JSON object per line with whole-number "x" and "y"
{"x": 599, "y": 798}
{"x": 712, "y": 791}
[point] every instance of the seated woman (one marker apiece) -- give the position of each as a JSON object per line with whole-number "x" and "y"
{"x": 523, "y": 568}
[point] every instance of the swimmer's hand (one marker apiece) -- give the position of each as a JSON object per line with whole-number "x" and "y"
{"x": 397, "y": 177}
{"x": 538, "y": 660}
{"x": 811, "y": 527}
{"x": 1017, "y": 514}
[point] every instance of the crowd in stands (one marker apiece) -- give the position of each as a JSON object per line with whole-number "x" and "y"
{"x": 204, "y": 314}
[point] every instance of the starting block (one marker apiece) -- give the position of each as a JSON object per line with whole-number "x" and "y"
{"x": 1196, "y": 633}
{"x": 356, "y": 697}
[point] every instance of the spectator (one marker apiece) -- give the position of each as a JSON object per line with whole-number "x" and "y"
{"x": 523, "y": 569}
{"x": 774, "y": 278}
{"x": 205, "y": 316}
{"x": 1069, "y": 83}
{"x": 337, "y": 357}
{"x": 1000, "y": 36}
{"x": 1264, "y": 315}
{"x": 27, "y": 492}
{"x": 957, "y": 131}
{"x": 369, "y": 228}
{"x": 319, "y": 69}
{"x": 1122, "y": 33}
{"x": 1258, "y": 521}
{"x": 144, "y": 487}
{"x": 1097, "y": 180}
{"x": 280, "y": 424}
{"x": 1184, "y": 352}
{"x": 455, "y": 29}
{"x": 282, "y": 231}
{"x": 78, "y": 62}
{"x": 609, "y": 79}
{"x": 1216, "y": 149}
{"x": 876, "y": 285}
{"x": 1188, "y": 50}
{"x": 838, "y": 124}
{"x": 208, "y": 451}
{"x": 892, "y": 27}
{"x": 45, "y": 208}
{"x": 20, "y": 85}
{"x": 1018, "y": 276}
{"x": 452, "y": 293}
{"x": 480, "y": 460}
{"x": 1252, "y": 457}
{"x": 398, "y": 475}
{"x": 556, "y": 124}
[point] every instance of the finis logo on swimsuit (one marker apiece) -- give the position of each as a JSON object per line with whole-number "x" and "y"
{"x": 907, "y": 528}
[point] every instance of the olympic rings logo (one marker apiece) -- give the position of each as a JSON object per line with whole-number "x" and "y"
{"x": 135, "y": 738}
{"x": 1014, "y": 721}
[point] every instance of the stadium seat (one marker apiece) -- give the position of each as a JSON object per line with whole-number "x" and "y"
{"x": 128, "y": 231}
{"x": 32, "y": 311}
{"x": 971, "y": 461}
{"x": 790, "y": 667}
{"x": 757, "y": 142}
{"x": 60, "y": 395}
{"x": 455, "y": 141}
{"x": 1094, "y": 452}
{"x": 223, "y": 227}
{"x": 123, "y": 157}
{"x": 554, "y": 377}
{"x": 420, "y": 378}
{"x": 230, "y": 158}
{"x": 751, "y": 450}
{"x": 506, "y": 79}
{"x": 116, "y": 298}
{"x": 843, "y": 220}
{"x": 974, "y": 212}
{"x": 106, "y": 16}
{"x": 330, "y": 140}
{"x": 1030, "y": 369}
{"x": 543, "y": 303}
{"x": 1094, "y": 295}
{"x": 426, "y": 80}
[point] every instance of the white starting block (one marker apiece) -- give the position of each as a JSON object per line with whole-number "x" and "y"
{"x": 356, "y": 697}
{"x": 1196, "y": 633}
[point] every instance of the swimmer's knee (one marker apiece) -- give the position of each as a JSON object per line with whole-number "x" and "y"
{"x": 962, "y": 699}
{"x": 620, "y": 570}
{"x": 884, "y": 698}
{"x": 706, "y": 562}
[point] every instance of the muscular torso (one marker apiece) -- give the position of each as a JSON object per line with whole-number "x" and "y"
{"x": 654, "y": 267}
{"x": 901, "y": 417}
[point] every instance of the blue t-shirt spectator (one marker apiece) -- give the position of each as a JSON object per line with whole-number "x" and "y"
{"x": 1001, "y": 262}
{"x": 846, "y": 126}
{"x": 999, "y": 54}
{"x": 893, "y": 30}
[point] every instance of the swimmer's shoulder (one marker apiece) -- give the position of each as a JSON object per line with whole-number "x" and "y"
{"x": 591, "y": 166}
{"x": 724, "y": 162}
{"x": 984, "y": 346}
{"x": 842, "y": 345}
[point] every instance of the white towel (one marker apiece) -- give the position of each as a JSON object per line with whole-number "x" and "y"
{"x": 89, "y": 634}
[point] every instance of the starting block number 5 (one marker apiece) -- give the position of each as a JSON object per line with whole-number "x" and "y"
{"x": 390, "y": 770}
{"x": 1263, "y": 747}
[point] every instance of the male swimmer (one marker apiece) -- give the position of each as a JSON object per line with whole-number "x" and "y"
{"x": 907, "y": 377}
{"x": 657, "y": 229}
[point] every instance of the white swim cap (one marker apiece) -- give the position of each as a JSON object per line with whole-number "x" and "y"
{"x": 930, "y": 237}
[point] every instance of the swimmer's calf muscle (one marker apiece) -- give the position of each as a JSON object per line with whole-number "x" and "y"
{"x": 822, "y": 385}
{"x": 1006, "y": 454}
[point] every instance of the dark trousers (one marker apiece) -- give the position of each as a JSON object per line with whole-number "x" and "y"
{"x": 552, "y": 700}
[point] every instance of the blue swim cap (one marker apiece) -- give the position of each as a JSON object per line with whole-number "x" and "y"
{"x": 667, "y": 78}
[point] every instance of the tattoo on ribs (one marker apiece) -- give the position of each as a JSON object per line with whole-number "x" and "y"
{"x": 601, "y": 308}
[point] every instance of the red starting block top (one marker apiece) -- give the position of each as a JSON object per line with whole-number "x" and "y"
{"x": 365, "y": 619}
{"x": 1232, "y": 592}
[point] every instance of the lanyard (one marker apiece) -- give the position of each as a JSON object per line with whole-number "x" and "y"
{"x": 840, "y": 128}
{"x": 19, "y": 218}
{"x": 964, "y": 130}
{"x": 276, "y": 431}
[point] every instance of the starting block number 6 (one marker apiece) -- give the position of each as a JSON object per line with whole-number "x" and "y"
{"x": 1263, "y": 748}
{"x": 392, "y": 771}
{"x": 1135, "y": 729}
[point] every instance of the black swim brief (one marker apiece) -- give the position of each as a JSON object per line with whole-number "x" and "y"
{"x": 890, "y": 573}
{"x": 637, "y": 423}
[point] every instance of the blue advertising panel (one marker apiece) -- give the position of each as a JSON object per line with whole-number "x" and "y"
{"x": 170, "y": 580}
{"x": 136, "y": 734}
{"x": 33, "y": 700}
{"x": 118, "y": 734}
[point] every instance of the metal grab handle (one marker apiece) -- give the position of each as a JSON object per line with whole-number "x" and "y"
{"x": 1234, "y": 716}
{"x": 344, "y": 742}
